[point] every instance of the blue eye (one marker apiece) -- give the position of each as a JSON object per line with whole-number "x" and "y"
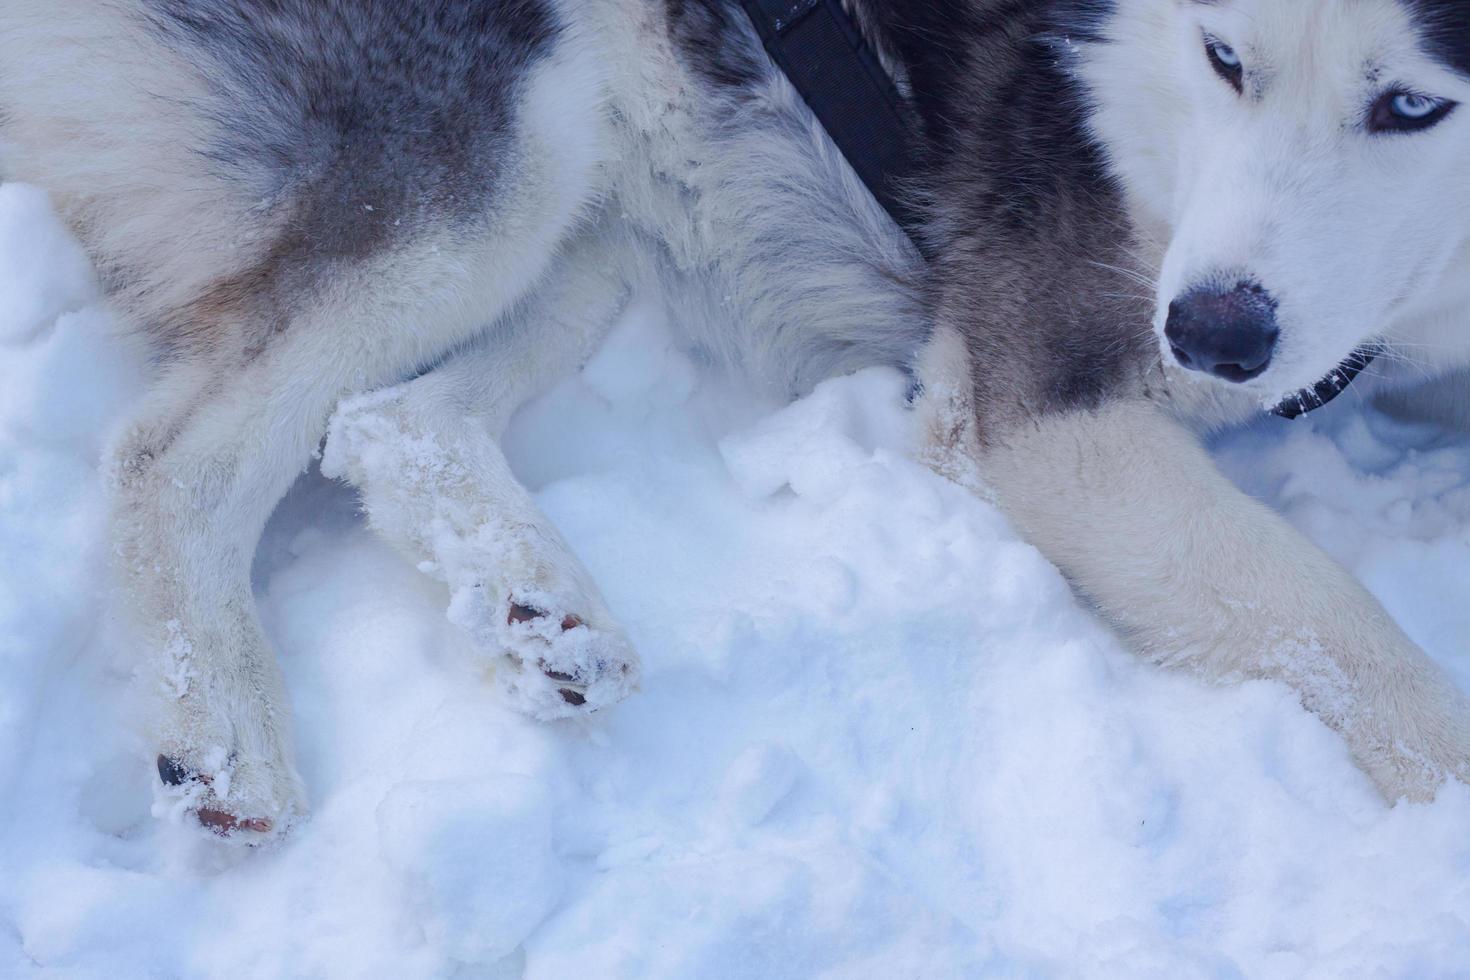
{"x": 1226, "y": 62}
{"x": 1401, "y": 111}
{"x": 1226, "y": 55}
{"x": 1412, "y": 106}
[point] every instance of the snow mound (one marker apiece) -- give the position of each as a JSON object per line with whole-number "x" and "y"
{"x": 877, "y": 737}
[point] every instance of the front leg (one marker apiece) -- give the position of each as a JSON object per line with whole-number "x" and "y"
{"x": 427, "y": 458}
{"x": 1195, "y": 573}
{"x": 436, "y": 485}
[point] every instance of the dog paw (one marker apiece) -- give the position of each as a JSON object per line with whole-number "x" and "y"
{"x": 1427, "y": 744}
{"x": 1414, "y": 774}
{"x": 243, "y": 801}
{"x": 557, "y": 663}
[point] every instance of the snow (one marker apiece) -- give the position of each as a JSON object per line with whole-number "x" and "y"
{"x": 876, "y": 737}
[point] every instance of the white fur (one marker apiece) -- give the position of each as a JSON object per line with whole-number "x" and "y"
{"x": 1196, "y": 574}
{"x": 1273, "y": 183}
{"x": 436, "y": 485}
{"x": 724, "y": 234}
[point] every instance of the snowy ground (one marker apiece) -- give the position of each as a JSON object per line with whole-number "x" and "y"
{"x": 876, "y": 738}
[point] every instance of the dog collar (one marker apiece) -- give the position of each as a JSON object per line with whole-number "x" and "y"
{"x": 821, "y": 51}
{"x": 1313, "y": 398}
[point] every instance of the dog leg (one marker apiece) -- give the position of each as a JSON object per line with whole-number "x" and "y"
{"x": 435, "y": 483}
{"x": 196, "y": 477}
{"x": 229, "y": 427}
{"x": 1196, "y": 573}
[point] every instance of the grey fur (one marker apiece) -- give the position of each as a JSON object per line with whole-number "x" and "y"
{"x": 324, "y": 105}
{"x": 352, "y": 125}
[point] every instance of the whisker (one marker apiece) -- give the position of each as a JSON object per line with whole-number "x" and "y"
{"x": 1131, "y": 274}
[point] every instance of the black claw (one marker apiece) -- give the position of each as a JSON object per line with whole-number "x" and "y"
{"x": 171, "y": 772}
{"x": 557, "y": 675}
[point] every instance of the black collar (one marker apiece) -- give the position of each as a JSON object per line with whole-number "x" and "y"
{"x": 1313, "y": 398}
{"x": 821, "y": 51}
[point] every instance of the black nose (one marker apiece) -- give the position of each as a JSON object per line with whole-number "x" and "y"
{"x": 1228, "y": 333}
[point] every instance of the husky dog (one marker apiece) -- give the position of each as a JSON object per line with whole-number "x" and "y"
{"x": 388, "y": 224}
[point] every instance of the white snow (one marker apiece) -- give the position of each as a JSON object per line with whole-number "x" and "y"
{"x": 877, "y": 736}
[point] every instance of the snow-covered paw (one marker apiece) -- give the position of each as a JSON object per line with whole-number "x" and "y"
{"x": 246, "y": 802}
{"x": 558, "y": 664}
{"x": 1415, "y": 738}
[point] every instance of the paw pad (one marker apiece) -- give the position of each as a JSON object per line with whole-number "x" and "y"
{"x": 174, "y": 773}
{"x": 563, "y": 665}
{"x": 520, "y": 614}
{"x": 527, "y": 614}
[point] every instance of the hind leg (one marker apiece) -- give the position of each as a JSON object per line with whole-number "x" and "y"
{"x": 436, "y": 484}
{"x": 235, "y": 419}
{"x": 196, "y": 477}
{"x": 283, "y": 238}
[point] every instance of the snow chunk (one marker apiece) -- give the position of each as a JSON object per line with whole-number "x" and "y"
{"x": 813, "y": 444}
{"x": 478, "y": 857}
{"x": 758, "y": 781}
{"x": 43, "y": 272}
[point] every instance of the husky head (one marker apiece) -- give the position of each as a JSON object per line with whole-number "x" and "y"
{"x": 1304, "y": 166}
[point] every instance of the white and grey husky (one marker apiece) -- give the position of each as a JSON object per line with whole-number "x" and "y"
{"x": 389, "y": 223}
